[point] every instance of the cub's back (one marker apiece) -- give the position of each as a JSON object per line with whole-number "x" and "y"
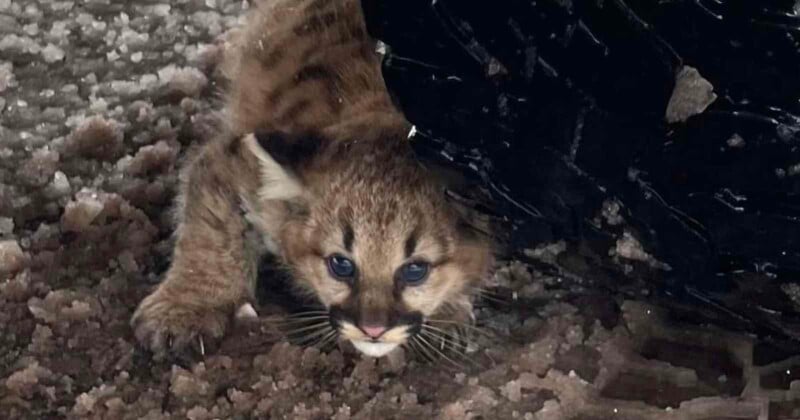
{"x": 304, "y": 65}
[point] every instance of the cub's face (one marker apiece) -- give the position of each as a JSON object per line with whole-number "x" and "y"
{"x": 373, "y": 239}
{"x": 383, "y": 262}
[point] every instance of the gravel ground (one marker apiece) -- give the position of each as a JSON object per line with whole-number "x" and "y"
{"x": 100, "y": 101}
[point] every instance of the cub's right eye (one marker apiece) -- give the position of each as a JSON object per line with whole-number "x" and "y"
{"x": 341, "y": 267}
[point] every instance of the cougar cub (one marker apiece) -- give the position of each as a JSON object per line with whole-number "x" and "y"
{"x": 316, "y": 168}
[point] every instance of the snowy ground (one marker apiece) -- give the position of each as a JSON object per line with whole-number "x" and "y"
{"x": 100, "y": 100}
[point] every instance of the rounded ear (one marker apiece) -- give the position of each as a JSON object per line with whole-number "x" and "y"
{"x": 282, "y": 158}
{"x": 289, "y": 151}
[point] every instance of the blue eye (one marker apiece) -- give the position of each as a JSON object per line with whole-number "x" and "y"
{"x": 341, "y": 267}
{"x": 414, "y": 273}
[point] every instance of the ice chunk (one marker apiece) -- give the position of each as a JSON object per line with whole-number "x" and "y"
{"x": 52, "y": 53}
{"x": 23, "y": 382}
{"x": 89, "y": 401}
{"x": 6, "y": 225}
{"x": 31, "y": 29}
{"x": 18, "y": 289}
{"x": 629, "y": 247}
{"x": 50, "y": 308}
{"x": 512, "y": 391}
{"x": 550, "y": 411}
{"x": 130, "y": 38}
{"x": 77, "y": 311}
{"x": 62, "y": 6}
{"x": 198, "y": 413}
{"x": 40, "y": 168}
{"x": 41, "y": 339}
{"x": 211, "y": 21}
{"x": 691, "y": 96}
{"x": 188, "y": 81}
{"x": 153, "y": 158}
{"x": 12, "y": 259}
{"x": 6, "y": 75}
{"x": 19, "y": 44}
{"x": 81, "y": 212}
{"x": 60, "y": 185}
{"x": 125, "y": 87}
{"x": 59, "y": 30}
{"x": 186, "y": 386}
{"x": 95, "y": 137}
{"x": 127, "y": 262}
{"x": 161, "y": 9}
{"x": 736, "y": 141}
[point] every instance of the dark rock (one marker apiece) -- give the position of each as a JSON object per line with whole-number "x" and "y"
{"x": 557, "y": 108}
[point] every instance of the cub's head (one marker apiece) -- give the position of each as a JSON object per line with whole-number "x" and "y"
{"x": 368, "y": 232}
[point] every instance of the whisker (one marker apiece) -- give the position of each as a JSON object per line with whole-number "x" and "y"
{"x": 304, "y": 317}
{"x": 310, "y": 327}
{"x": 422, "y": 350}
{"x": 409, "y": 344}
{"x": 299, "y": 323}
{"x": 332, "y": 344}
{"x": 495, "y": 300}
{"x": 447, "y": 337}
{"x": 459, "y": 324}
{"x": 304, "y": 340}
{"x": 284, "y": 320}
{"x": 492, "y": 296}
{"x": 444, "y": 356}
{"x": 472, "y": 328}
{"x": 325, "y": 340}
{"x": 462, "y": 354}
{"x": 301, "y": 314}
{"x": 486, "y": 291}
{"x": 444, "y": 334}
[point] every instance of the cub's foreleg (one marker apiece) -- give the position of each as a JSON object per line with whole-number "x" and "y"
{"x": 214, "y": 265}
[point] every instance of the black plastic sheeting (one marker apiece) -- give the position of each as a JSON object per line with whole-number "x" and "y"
{"x": 557, "y": 106}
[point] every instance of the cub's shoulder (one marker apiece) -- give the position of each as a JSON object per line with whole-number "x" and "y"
{"x": 302, "y": 66}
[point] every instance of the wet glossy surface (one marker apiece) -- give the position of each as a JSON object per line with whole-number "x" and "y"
{"x": 558, "y": 106}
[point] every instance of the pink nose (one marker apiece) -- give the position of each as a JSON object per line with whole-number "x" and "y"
{"x": 373, "y": 331}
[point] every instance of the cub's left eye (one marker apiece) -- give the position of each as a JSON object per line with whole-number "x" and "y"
{"x": 414, "y": 273}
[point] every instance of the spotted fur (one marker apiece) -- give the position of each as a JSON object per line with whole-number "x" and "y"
{"x": 314, "y": 161}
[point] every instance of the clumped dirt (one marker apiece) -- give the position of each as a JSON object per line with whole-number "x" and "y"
{"x": 100, "y": 102}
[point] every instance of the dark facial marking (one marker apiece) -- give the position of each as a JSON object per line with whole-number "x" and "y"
{"x": 443, "y": 242}
{"x": 411, "y": 243}
{"x": 412, "y": 319}
{"x": 350, "y": 311}
{"x": 348, "y": 236}
{"x": 337, "y": 315}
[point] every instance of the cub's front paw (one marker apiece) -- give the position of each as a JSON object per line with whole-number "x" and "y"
{"x": 163, "y": 323}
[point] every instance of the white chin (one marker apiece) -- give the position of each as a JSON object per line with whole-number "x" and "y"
{"x": 374, "y": 349}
